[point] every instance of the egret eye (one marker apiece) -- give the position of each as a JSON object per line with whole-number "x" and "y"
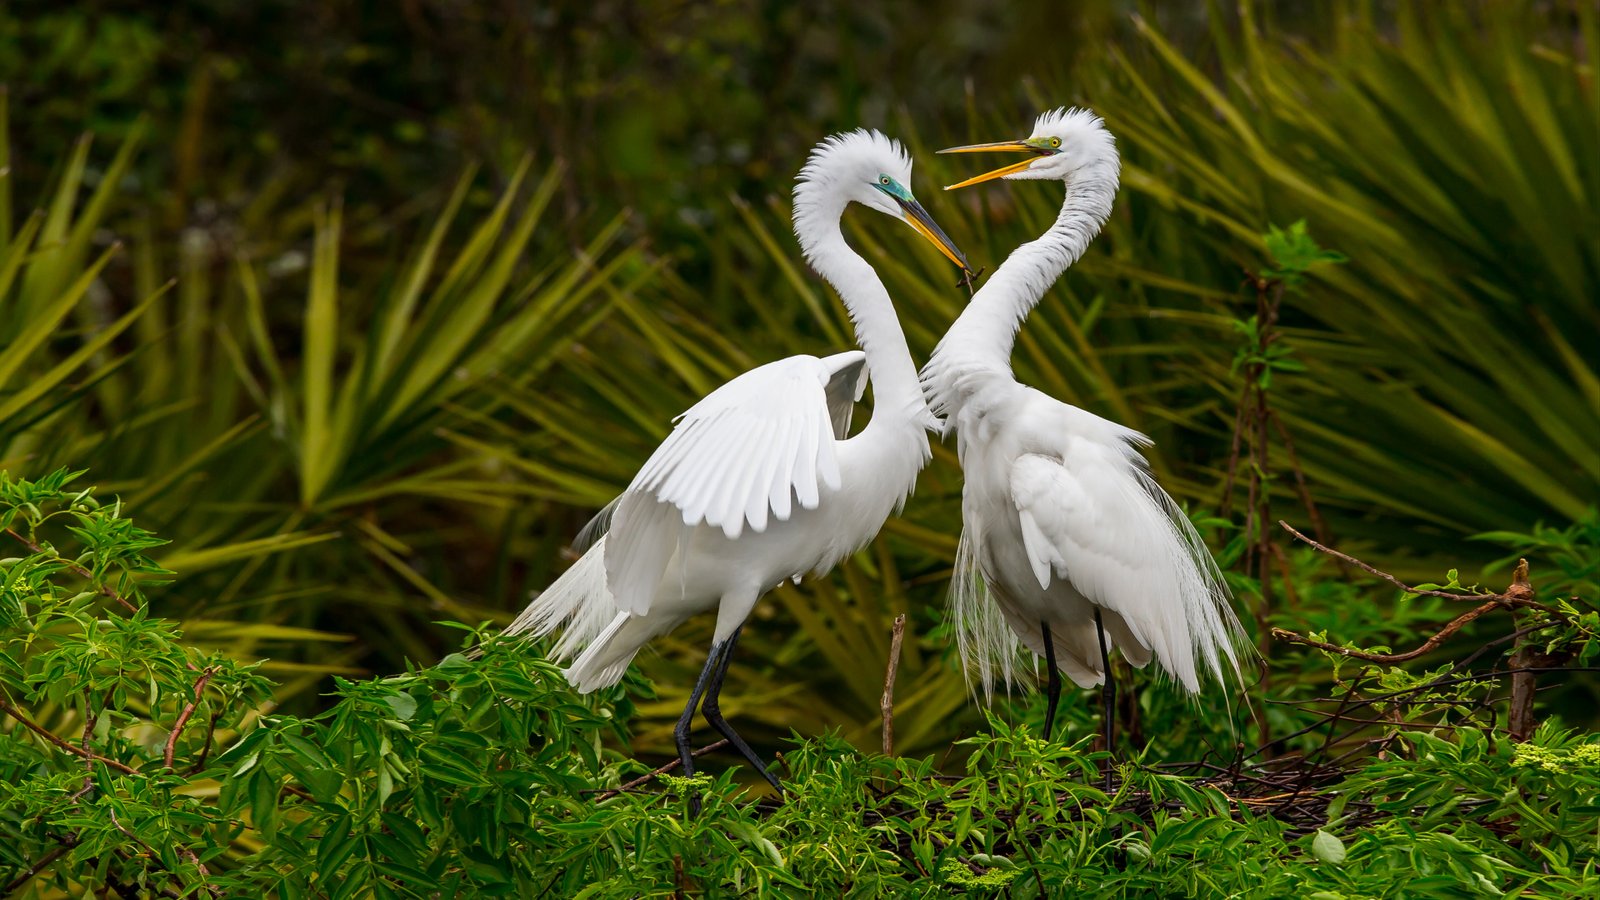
{"x": 883, "y": 180}
{"x": 1055, "y": 142}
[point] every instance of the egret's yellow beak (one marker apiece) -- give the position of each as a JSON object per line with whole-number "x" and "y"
{"x": 918, "y": 218}
{"x": 1037, "y": 153}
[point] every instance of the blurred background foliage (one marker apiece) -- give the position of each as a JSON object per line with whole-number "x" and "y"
{"x": 369, "y": 306}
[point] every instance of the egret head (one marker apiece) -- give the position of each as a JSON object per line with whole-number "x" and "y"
{"x": 868, "y": 168}
{"x": 1064, "y": 142}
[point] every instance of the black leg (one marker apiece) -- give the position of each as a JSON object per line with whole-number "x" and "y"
{"x": 712, "y": 710}
{"x": 680, "y": 733}
{"x": 1108, "y": 693}
{"x": 1052, "y": 689}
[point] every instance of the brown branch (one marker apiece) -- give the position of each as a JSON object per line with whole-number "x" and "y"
{"x": 1427, "y": 646}
{"x": 886, "y": 703}
{"x": 80, "y": 570}
{"x": 201, "y": 868}
{"x": 27, "y": 875}
{"x": 149, "y": 851}
{"x": 89, "y": 723}
{"x": 188, "y": 710}
{"x": 205, "y": 749}
{"x": 34, "y": 727}
{"x": 1386, "y": 576}
{"x": 1520, "y": 720}
{"x": 612, "y": 792}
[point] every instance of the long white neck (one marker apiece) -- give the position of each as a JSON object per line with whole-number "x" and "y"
{"x": 897, "y": 392}
{"x": 982, "y": 338}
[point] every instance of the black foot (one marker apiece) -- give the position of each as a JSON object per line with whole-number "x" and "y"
{"x": 1052, "y": 690}
{"x": 1108, "y": 698}
{"x": 712, "y": 710}
{"x": 680, "y": 732}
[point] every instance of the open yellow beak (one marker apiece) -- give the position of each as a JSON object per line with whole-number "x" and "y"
{"x": 1004, "y": 146}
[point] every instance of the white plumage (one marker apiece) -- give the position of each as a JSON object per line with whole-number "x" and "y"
{"x": 760, "y": 481}
{"x": 1060, "y": 515}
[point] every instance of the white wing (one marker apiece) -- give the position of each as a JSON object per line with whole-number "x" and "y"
{"x": 1095, "y": 518}
{"x": 743, "y": 455}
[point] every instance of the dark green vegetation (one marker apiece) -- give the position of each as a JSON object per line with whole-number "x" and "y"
{"x": 485, "y": 776}
{"x": 362, "y": 387}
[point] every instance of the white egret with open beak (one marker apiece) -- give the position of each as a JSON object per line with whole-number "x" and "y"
{"x": 1068, "y": 545}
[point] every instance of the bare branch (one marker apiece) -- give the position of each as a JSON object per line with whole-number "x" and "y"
{"x": 27, "y": 875}
{"x": 1385, "y": 575}
{"x": 608, "y": 794}
{"x": 886, "y": 704}
{"x": 188, "y": 710}
{"x": 34, "y": 727}
{"x": 1427, "y": 646}
{"x": 205, "y": 749}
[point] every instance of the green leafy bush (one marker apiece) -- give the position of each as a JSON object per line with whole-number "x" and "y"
{"x": 134, "y": 763}
{"x": 356, "y": 416}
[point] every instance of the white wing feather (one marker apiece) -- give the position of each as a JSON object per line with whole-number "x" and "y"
{"x": 1096, "y": 519}
{"x": 739, "y": 458}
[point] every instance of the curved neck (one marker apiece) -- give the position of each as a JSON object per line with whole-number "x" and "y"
{"x": 986, "y": 332}
{"x": 897, "y": 393}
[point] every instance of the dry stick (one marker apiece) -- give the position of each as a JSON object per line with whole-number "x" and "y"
{"x": 606, "y": 795}
{"x": 34, "y": 727}
{"x": 886, "y": 704}
{"x": 1520, "y": 722}
{"x": 188, "y": 710}
{"x": 80, "y": 570}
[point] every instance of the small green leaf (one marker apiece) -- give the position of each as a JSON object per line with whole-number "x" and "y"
{"x": 1327, "y": 848}
{"x": 404, "y": 705}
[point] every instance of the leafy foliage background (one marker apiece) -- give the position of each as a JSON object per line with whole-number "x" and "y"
{"x": 366, "y": 308}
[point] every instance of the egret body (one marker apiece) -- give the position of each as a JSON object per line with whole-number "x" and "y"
{"x": 760, "y": 481}
{"x": 1067, "y": 546}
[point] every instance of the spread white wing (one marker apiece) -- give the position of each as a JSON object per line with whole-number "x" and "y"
{"x": 743, "y": 456}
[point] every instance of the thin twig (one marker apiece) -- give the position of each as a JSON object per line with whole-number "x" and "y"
{"x": 1427, "y": 646}
{"x": 27, "y": 875}
{"x": 89, "y": 723}
{"x": 150, "y": 852}
{"x": 205, "y": 749}
{"x": 80, "y": 570}
{"x": 34, "y": 727}
{"x": 188, "y": 710}
{"x": 612, "y": 792}
{"x": 201, "y": 868}
{"x": 886, "y": 704}
{"x": 1381, "y": 574}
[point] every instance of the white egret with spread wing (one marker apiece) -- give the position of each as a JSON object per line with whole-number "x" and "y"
{"x": 1067, "y": 545}
{"x": 760, "y": 481}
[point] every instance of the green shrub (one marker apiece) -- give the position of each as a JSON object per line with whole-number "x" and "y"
{"x": 134, "y": 763}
